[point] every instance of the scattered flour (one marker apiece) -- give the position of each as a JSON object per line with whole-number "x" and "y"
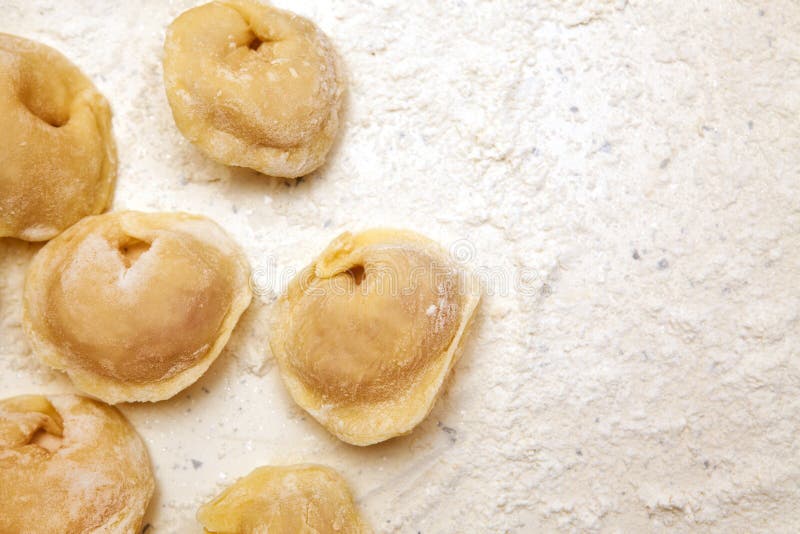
{"x": 638, "y": 161}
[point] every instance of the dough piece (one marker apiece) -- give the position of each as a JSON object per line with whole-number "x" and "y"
{"x": 58, "y": 162}
{"x": 366, "y": 335}
{"x": 254, "y": 86}
{"x": 135, "y": 306}
{"x": 70, "y": 465}
{"x": 296, "y": 499}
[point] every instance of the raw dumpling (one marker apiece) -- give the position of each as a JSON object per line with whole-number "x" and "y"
{"x": 254, "y": 86}
{"x": 58, "y": 162}
{"x": 366, "y": 335}
{"x": 135, "y": 306}
{"x": 69, "y": 464}
{"x": 297, "y": 499}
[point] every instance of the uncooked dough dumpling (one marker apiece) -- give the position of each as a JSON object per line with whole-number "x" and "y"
{"x": 254, "y": 86}
{"x": 135, "y": 306}
{"x": 58, "y": 162}
{"x": 70, "y": 465}
{"x": 367, "y": 334}
{"x": 297, "y": 499}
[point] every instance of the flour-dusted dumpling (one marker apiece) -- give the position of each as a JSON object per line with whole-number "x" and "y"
{"x": 135, "y": 306}
{"x": 70, "y": 465}
{"x": 296, "y": 499}
{"x": 366, "y": 335}
{"x": 254, "y": 86}
{"x": 58, "y": 162}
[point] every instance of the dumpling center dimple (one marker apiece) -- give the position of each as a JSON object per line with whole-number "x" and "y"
{"x": 53, "y": 111}
{"x": 255, "y": 44}
{"x": 48, "y": 430}
{"x": 356, "y": 273}
{"x": 46, "y": 440}
{"x": 131, "y": 250}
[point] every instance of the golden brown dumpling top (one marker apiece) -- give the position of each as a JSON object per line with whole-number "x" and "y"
{"x": 57, "y": 157}
{"x": 254, "y": 86}
{"x": 297, "y": 499}
{"x": 70, "y": 465}
{"x": 135, "y": 306}
{"x": 366, "y": 335}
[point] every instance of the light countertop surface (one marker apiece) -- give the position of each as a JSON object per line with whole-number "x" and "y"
{"x": 624, "y": 176}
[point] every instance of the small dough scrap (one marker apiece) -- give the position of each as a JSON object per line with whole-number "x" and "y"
{"x": 254, "y": 86}
{"x": 296, "y": 499}
{"x": 366, "y": 335}
{"x": 58, "y": 161}
{"x": 68, "y": 465}
{"x": 135, "y": 306}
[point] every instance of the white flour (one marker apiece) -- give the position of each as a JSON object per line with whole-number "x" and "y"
{"x": 625, "y": 175}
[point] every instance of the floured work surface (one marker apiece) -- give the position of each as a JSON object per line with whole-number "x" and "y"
{"x": 623, "y": 175}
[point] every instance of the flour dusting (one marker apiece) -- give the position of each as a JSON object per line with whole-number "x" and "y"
{"x": 625, "y": 177}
